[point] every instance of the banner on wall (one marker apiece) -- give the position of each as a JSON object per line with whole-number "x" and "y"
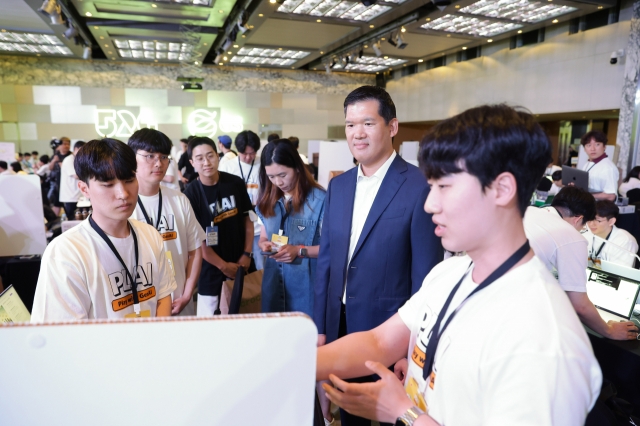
{"x": 201, "y": 122}
{"x": 8, "y": 152}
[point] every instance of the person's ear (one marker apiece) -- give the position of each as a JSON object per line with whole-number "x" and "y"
{"x": 579, "y": 222}
{"x": 505, "y": 189}
{"x": 393, "y": 127}
{"x": 84, "y": 188}
{"x": 612, "y": 221}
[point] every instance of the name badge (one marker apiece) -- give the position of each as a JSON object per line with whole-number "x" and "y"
{"x": 212, "y": 236}
{"x": 279, "y": 240}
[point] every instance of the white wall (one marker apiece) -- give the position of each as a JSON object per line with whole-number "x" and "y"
{"x": 564, "y": 73}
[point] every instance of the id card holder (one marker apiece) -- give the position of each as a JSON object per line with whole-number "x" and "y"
{"x": 279, "y": 240}
{"x": 212, "y": 235}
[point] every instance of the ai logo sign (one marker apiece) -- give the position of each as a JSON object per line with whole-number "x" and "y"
{"x": 202, "y": 122}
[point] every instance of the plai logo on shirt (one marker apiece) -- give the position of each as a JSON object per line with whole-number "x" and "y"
{"x": 226, "y": 208}
{"x": 167, "y": 227}
{"x": 120, "y": 285}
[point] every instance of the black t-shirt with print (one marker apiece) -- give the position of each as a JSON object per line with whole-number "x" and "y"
{"x": 233, "y": 204}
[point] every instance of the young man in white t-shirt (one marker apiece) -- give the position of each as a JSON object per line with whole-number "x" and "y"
{"x": 170, "y": 212}
{"x": 247, "y": 167}
{"x": 554, "y": 234}
{"x": 515, "y": 351}
{"x": 608, "y": 242}
{"x": 108, "y": 266}
{"x": 69, "y": 190}
{"x": 603, "y": 174}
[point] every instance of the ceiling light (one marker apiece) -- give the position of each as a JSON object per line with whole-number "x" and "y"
{"x": 260, "y": 15}
{"x": 555, "y": 21}
{"x": 400, "y": 43}
{"x": 235, "y": 46}
{"x": 517, "y": 10}
{"x": 154, "y": 5}
{"x": 599, "y": 7}
{"x": 272, "y": 1}
{"x": 86, "y": 52}
{"x": 220, "y": 63}
{"x": 404, "y": 30}
{"x": 341, "y": 9}
{"x": 158, "y": 49}
{"x": 371, "y": 26}
{"x": 464, "y": 48}
{"x": 490, "y": 41}
{"x": 88, "y": 14}
{"x": 32, "y": 43}
{"x": 470, "y": 25}
{"x": 457, "y": 6}
{"x": 371, "y": 64}
{"x": 386, "y": 57}
{"x": 221, "y": 11}
{"x": 229, "y": 53}
{"x": 420, "y": 60}
{"x": 70, "y": 32}
{"x": 519, "y": 31}
{"x": 225, "y": 58}
{"x": 376, "y": 49}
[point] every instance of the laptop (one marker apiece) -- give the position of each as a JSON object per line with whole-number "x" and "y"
{"x": 579, "y": 178}
{"x": 12, "y": 309}
{"x": 613, "y": 296}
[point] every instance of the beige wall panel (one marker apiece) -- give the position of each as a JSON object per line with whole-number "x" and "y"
{"x": 276, "y": 100}
{"x": 200, "y": 99}
{"x": 146, "y": 97}
{"x": 299, "y": 101}
{"x": 27, "y": 131}
{"x": 330, "y": 102}
{"x": 281, "y": 116}
{"x": 85, "y": 132}
{"x": 264, "y": 115}
{"x": 7, "y": 94}
{"x": 309, "y": 116}
{"x": 180, "y": 98}
{"x": 9, "y": 112}
{"x": 24, "y": 95}
{"x": 35, "y": 113}
{"x": 56, "y": 95}
{"x": 335, "y": 118}
{"x": 173, "y": 131}
{"x": 95, "y": 96}
{"x": 258, "y": 100}
{"x": 117, "y": 96}
{"x": 226, "y": 99}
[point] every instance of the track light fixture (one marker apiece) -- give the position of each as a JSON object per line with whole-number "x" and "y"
{"x": 227, "y": 44}
{"x": 400, "y": 43}
{"x": 52, "y": 9}
{"x": 70, "y": 32}
{"x": 376, "y": 48}
{"x": 86, "y": 52}
{"x": 361, "y": 53}
{"x": 327, "y": 68}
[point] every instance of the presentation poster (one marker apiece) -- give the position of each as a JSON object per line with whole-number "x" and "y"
{"x": 8, "y": 152}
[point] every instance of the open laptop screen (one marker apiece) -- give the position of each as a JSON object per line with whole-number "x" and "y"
{"x": 11, "y": 307}
{"x": 612, "y": 293}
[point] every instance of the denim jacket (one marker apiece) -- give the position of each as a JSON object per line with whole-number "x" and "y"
{"x": 288, "y": 287}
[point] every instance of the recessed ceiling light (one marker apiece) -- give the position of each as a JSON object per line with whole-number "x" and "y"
{"x": 38, "y": 54}
{"x": 318, "y": 20}
{"x": 273, "y": 57}
{"x": 383, "y": 39}
{"x": 110, "y": 53}
{"x": 229, "y": 53}
{"x": 404, "y": 65}
{"x": 4, "y": 31}
{"x": 154, "y": 5}
{"x": 220, "y": 63}
{"x": 490, "y": 41}
{"x": 371, "y": 26}
{"x": 260, "y": 15}
{"x": 88, "y": 14}
{"x": 428, "y": 19}
{"x": 457, "y": 6}
{"x": 464, "y": 48}
{"x": 279, "y": 48}
{"x": 106, "y": 45}
{"x": 204, "y": 44}
{"x": 32, "y": 43}
{"x": 321, "y": 52}
{"x": 96, "y": 28}
{"x": 420, "y": 60}
{"x": 272, "y": 1}
{"x": 155, "y": 60}
{"x": 147, "y": 49}
{"x": 221, "y": 11}
{"x": 113, "y": 59}
{"x": 386, "y": 57}
{"x": 600, "y": 7}
{"x": 472, "y": 25}
{"x": 101, "y": 38}
{"x": 235, "y": 46}
{"x": 341, "y": 9}
{"x": 555, "y": 21}
{"x": 293, "y": 68}
{"x": 403, "y": 29}
{"x": 448, "y": 35}
{"x": 519, "y": 31}
{"x": 517, "y": 10}
{"x": 225, "y": 58}
{"x": 244, "y": 36}
{"x": 196, "y": 62}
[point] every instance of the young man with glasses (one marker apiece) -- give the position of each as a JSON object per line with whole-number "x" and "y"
{"x": 222, "y": 205}
{"x": 108, "y": 266}
{"x": 607, "y": 241}
{"x": 170, "y": 213}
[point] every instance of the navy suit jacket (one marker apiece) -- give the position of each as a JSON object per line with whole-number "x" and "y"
{"x": 396, "y": 250}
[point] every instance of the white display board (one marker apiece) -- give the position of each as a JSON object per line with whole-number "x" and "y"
{"x": 409, "y": 151}
{"x": 22, "y": 228}
{"x": 233, "y": 370}
{"x": 313, "y": 146}
{"x": 8, "y": 152}
{"x": 610, "y": 150}
{"x": 333, "y": 156}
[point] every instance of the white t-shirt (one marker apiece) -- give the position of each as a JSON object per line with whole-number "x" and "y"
{"x": 226, "y": 157}
{"x": 559, "y": 246}
{"x": 515, "y": 353}
{"x": 172, "y": 170}
{"x": 628, "y": 186}
{"x": 623, "y": 254}
{"x": 180, "y": 232}
{"x": 304, "y": 159}
{"x": 69, "y": 191}
{"x": 603, "y": 176}
{"x": 251, "y": 177}
{"x": 44, "y": 171}
{"x": 81, "y": 278}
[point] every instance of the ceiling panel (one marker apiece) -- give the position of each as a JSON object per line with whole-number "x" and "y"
{"x": 306, "y": 35}
{"x": 420, "y": 45}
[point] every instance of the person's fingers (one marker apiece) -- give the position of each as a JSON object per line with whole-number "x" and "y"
{"x": 378, "y": 368}
{"x": 338, "y": 383}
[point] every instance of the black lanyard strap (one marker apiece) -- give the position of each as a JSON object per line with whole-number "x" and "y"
{"x": 593, "y": 243}
{"x": 436, "y": 332}
{"x": 242, "y": 174}
{"x": 144, "y": 212}
{"x": 285, "y": 215}
{"x": 213, "y": 213}
{"x": 134, "y": 285}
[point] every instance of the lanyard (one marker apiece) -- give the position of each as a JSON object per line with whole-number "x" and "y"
{"x": 593, "y": 243}
{"x": 436, "y": 332}
{"x": 242, "y": 174}
{"x": 217, "y": 198}
{"x": 285, "y": 215}
{"x": 134, "y": 285}
{"x": 594, "y": 164}
{"x": 144, "y": 212}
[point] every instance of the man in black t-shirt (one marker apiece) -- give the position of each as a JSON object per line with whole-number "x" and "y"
{"x": 221, "y": 204}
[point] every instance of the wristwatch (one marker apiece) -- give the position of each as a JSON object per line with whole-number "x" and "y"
{"x": 410, "y": 416}
{"x": 248, "y": 254}
{"x": 302, "y": 252}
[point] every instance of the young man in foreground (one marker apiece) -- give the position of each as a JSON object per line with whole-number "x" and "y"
{"x": 108, "y": 266}
{"x": 491, "y": 338}
{"x": 170, "y": 212}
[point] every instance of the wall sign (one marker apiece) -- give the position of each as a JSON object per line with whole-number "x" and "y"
{"x": 202, "y": 122}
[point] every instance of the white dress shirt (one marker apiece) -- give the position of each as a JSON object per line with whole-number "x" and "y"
{"x": 366, "y": 191}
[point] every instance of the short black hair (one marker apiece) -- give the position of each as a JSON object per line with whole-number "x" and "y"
{"x": 246, "y": 139}
{"x": 200, "y": 140}
{"x": 544, "y": 184}
{"x": 27, "y": 153}
{"x": 486, "y": 141}
{"x": 273, "y": 137}
{"x": 557, "y": 175}
{"x": 607, "y": 208}
{"x": 596, "y": 135}
{"x": 184, "y": 140}
{"x": 294, "y": 141}
{"x": 386, "y": 107}
{"x": 578, "y": 201}
{"x": 34, "y": 153}
{"x": 16, "y": 166}
{"x": 150, "y": 140}
{"x": 104, "y": 160}
{"x": 45, "y": 159}
{"x": 79, "y": 144}
{"x": 633, "y": 173}
{"x": 3, "y": 165}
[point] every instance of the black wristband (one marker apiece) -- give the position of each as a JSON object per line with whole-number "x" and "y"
{"x": 249, "y": 255}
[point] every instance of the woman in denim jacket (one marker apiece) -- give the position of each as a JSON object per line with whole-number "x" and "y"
{"x": 291, "y": 206}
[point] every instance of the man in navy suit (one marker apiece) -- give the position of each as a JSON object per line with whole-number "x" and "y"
{"x": 377, "y": 243}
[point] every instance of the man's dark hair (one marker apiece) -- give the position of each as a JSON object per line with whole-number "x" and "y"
{"x": 200, "y": 140}
{"x": 544, "y": 184}
{"x": 4, "y": 165}
{"x": 104, "y": 160}
{"x": 27, "y": 154}
{"x": 247, "y": 139}
{"x": 386, "y": 107}
{"x": 150, "y": 140}
{"x": 16, "y": 166}
{"x": 607, "y": 208}
{"x": 273, "y": 137}
{"x": 596, "y": 135}
{"x": 486, "y": 141}
{"x": 184, "y": 140}
{"x": 79, "y": 144}
{"x": 34, "y": 153}
{"x": 45, "y": 159}
{"x": 557, "y": 175}
{"x": 294, "y": 141}
{"x": 577, "y": 201}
